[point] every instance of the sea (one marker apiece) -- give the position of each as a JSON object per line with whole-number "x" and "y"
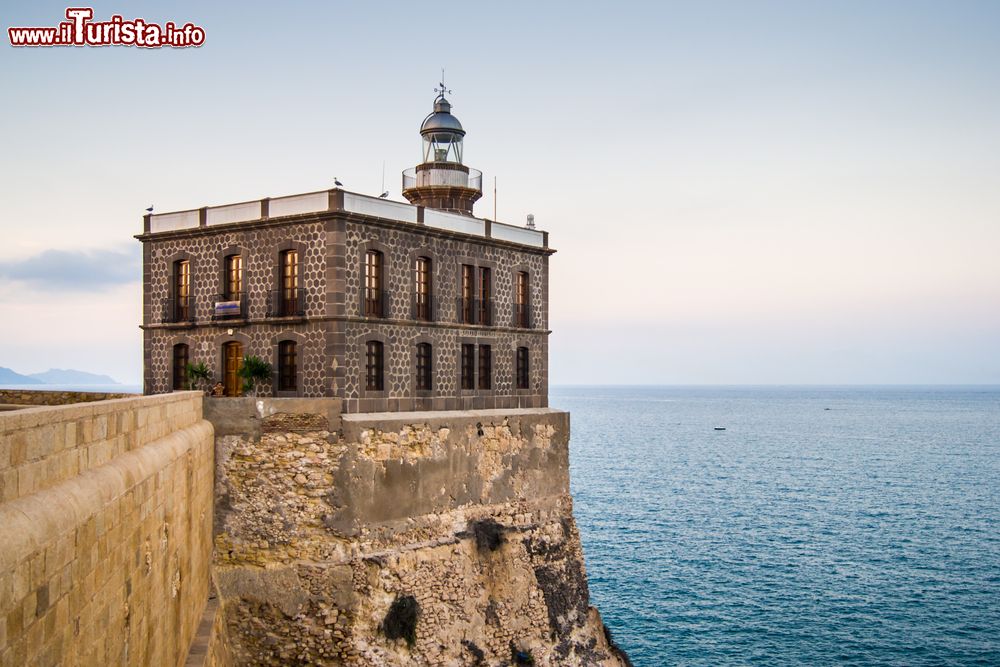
{"x": 822, "y": 526}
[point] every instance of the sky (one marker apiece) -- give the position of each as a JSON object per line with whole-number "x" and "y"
{"x": 739, "y": 192}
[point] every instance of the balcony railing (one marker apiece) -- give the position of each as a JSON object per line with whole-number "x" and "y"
{"x": 178, "y": 309}
{"x": 475, "y": 311}
{"x": 230, "y": 307}
{"x": 522, "y": 316}
{"x": 286, "y": 303}
{"x": 376, "y": 303}
{"x": 423, "y": 307}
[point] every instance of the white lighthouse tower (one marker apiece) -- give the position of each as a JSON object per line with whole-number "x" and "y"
{"x": 441, "y": 181}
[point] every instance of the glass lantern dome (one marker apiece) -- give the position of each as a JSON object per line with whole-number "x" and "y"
{"x": 442, "y": 134}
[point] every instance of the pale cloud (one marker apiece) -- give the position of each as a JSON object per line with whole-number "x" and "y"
{"x": 75, "y": 269}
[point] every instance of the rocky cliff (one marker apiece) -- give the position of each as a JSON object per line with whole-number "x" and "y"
{"x": 442, "y": 538}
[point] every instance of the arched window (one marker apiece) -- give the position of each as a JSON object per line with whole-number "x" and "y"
{"x": 291, "y": 295}
{"x": 180, "y": 364}
{"x": 374, "y": 366}
{"x": 373, "y": 284}
{"x": 422, "y": 289}
{"x": 181, "y": 310}
{"x": 287, "y": 366}
{"x": 233, "y": 288}
{"x": 424, "y": 366}
{"x": 522, "y": 368}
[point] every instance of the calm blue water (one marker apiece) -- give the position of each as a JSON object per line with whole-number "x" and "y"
{"x": 838, "y": 525}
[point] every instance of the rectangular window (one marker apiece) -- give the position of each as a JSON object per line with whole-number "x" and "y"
{"x": 290, "y": 294}
{"x": 521, "y": 291}
{"x": 287, "y": 366}
{"x": 182, "y": 291}
{"x": 485, "y": 367}
{"x": 373, "y": 284}
{"x": 424, "y": 353}
{"x": 234, "y": 277}
{"x": 468, "y": 294}
{"x": 522, "y": 368}
{"x": 468, "y": 367}
{"x": 422, "y": 285}
{"x": 374, "y": 370}
{"x": 180, "y": 366}
{"x": 485, "y": 288}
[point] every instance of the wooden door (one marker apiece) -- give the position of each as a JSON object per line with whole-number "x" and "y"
{"x": 232, "y": 354}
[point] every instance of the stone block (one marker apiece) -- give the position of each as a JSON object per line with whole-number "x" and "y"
{"x": 29, "y": 605}
{"x": 26, "y": 475}
{"x": 5, "y": 450}
{"x": 8, "y": 485}
{"x": 15, "y": 621}
{"x": 18, "y": 447}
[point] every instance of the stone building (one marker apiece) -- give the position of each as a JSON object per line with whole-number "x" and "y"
{"x": 388, "y": 306}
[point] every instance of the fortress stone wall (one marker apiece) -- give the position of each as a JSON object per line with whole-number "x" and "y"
{"x": 10, "y": 398}
{"x": 437, "y": 538}
{"x": 106, "y": 518}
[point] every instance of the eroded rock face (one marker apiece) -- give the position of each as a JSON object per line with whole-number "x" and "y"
{"x": 467, "y": 515}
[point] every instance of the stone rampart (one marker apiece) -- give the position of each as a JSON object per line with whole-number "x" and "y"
{"x": 438, "y": 538}
{"x": 106, "y": 519}
{"x": 17, "y": 397}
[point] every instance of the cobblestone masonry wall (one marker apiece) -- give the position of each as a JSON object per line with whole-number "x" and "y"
{"x": 205, "y": 346}
{"x": 400, "y": 248}
{"x": 333, "y": 331}
{"x": 463, "y": 517}
{"x": 259, "y": 246}
{"x": 400, "y": 392}
{"x": 106, "y": 537}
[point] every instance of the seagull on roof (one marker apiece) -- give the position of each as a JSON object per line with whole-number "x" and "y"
{"x": 384, "y": 195}
{"x": 337, "y": 183}
{"x": 150, "y": 209}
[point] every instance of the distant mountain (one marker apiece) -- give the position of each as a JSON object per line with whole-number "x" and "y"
{"x": 69, "y": 376}
{"x": 8, "y": 376}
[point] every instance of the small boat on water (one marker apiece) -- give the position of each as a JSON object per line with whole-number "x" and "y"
{"x": 720, "y": 428}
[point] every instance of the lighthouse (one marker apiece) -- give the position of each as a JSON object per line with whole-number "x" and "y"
{"x": 442, "y": 181}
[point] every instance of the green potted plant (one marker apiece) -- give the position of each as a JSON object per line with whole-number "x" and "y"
{"x": 254, "y": 371}
{"x": 197, "y": 374}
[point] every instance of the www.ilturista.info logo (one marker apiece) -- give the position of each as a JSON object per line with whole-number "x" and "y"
{"x": 79, "y": 30}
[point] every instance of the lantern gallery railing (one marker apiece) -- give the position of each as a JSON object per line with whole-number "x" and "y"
{"x": 466, "y": 177}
